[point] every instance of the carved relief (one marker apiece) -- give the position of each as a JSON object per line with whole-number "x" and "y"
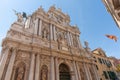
{"x": 45, "y": 60}
{"x": 44, "y": 72}
{"x": 61, "y": 38}
{"x": 45, "y": 30}
{"x": 45, "y": 33}
{"x": 75, "y": 42}
{"x": 20, "y": 72}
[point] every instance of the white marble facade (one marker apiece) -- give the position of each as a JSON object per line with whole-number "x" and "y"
{"x": 45, "y": 47}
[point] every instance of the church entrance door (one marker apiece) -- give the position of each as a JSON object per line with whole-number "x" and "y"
{"x": 64, "y": 72}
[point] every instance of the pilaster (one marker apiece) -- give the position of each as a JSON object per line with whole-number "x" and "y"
{"x": 37, "y": 69}
{"x": 3, "y": 61}
{"x": 51, "y": 32}
{"x": 86, "y": 71}
{"x": 31, "y": 73}
{"x": 10, "y": 65}
{"x": 36, "y": 26}
{"x": 52, "y": 73}
{"x": 56, "y": 69}
{"x": 75, "y": 69}
{"x": 40, "y": 27}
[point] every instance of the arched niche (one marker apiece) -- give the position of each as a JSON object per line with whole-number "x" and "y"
{"x": 64, "y": 72}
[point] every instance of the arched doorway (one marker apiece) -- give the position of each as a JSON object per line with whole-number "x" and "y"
{"x": 64, "y": 72}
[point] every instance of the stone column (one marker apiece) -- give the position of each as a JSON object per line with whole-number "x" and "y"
{"x": 54, "y": 33}
{"x": 52, "y": 73}
{"x": 75, "y": 70}
{"x": 3, "y": 61}
{"x": 86, "y": 71}
{"x": 68, "y": 38}
{"x": 37, "y": 69}
{"x": 56, "y": 69}
{"x": 10, "y": 65}
{"x": 71, "y": 39}
{"x": 79, "y": 42}
{"x": 79, "y": 77}
{"x": 36, "y": 26}
{"x": 40, "y": 27}
{"x": 31, "y": 73}
{"x": 95, "y": 72}
{"x": 51, "y": 32}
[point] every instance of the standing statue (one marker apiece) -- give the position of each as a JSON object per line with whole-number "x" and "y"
{"x": 20, "y": 16}
{"x": 86, "y": 44}
{"x": 45, "y": 33}
{"x": 44, "y": 72}
{"x": 20, "y": 73}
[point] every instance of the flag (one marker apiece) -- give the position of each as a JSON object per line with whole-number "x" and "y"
{"x": 113, "y": 37}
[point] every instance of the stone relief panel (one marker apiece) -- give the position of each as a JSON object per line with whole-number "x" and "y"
{"x": 45, "y": 60}
{"x": 20, "y": 72}
{"x": 61, "y": 39}
{"x": 45, "y": 30}
{"x": 75, "y": 41}
{"x": 44, "y": 72}
{"x": 57, "y": 18}
{"x": 18, "y": 36}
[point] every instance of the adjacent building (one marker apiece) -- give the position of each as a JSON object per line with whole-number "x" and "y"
{"x": 104, "y": 65}
{"x": 44, "y": 46}
{"x": 113, "y": 6}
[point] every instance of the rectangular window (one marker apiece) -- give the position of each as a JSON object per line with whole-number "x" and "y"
{"x": 105, "y": 74}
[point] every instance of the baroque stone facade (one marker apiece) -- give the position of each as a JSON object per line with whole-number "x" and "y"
{"x": 45, "y": 47}
{"x": 113, "y": 7}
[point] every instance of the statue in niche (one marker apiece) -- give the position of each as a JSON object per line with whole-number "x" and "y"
{"x": 75, "y": 42}
{"x": 44, "y": 72}
{"x": 20, "y": 73}
{"x": 60, "y": 39}
{"x": 45, "y": 33}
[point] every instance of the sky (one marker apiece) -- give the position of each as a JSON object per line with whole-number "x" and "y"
{"x": 90, "y": 16}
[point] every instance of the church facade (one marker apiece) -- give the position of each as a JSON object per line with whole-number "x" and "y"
{"x": 44, "y": 46}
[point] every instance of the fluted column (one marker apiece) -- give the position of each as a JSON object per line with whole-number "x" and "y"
{"x": 68, "y": 38}
{"x": 51, "y": 32}
{"x": 40, "y": 27}
{"x": 86, "y": 71}
{"x": 31, "y": 73}
{"x": 95, "y": 72}
{"x": 79, "y": 77}
{"x": 75, "y": 70}
{"x": 37, "y": 69}
{"x": 79, "y": 42}
{"x": 52, "y": 73}
{"x": 10, "y": 65}
{"x": 36, "y": 26}
{"x": 54, "y": 33}
{"x": 71, "y": 39}
{"x": 56, "y": 69}
{"x": 3, "y": 61}
{"x": 90, "y": 75}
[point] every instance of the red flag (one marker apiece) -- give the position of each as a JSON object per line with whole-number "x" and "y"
{"x": 113, "y": 37}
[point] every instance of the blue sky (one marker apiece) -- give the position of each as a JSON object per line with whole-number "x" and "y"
{"x": 90, "y": 16}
